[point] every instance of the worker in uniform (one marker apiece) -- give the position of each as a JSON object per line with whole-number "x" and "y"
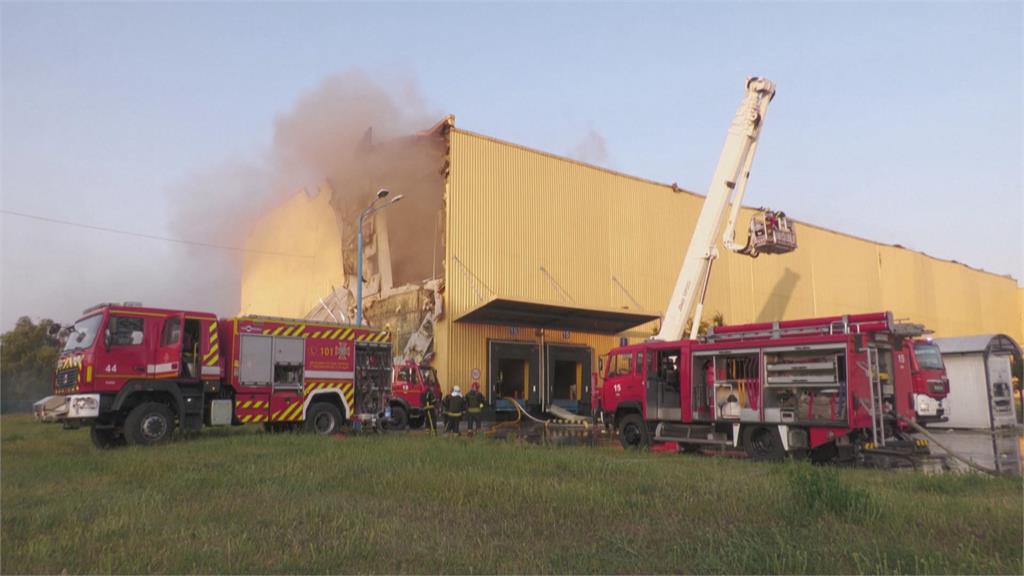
{"x": 474, "y": 407}
{"x": 429, "y": 401}
{"x": 454, "y": 405}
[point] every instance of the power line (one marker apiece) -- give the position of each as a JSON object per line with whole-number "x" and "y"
{"x": 150, "y": 236}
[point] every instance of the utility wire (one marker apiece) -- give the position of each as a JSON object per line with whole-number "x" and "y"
{"x": 151, "y": 236}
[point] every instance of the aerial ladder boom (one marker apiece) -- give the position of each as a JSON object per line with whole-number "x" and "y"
{"x": 770, "y": 232}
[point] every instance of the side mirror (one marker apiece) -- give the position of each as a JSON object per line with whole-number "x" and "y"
{"x": 54, "y": 329}
{"x": 106, "y": 339}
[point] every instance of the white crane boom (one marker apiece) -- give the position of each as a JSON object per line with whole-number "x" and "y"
{"x": 772, "y": 233}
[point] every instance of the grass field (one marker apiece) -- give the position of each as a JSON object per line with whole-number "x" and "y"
{"x": 245, "y": 502}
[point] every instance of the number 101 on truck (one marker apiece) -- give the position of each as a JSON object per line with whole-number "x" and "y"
{"x": 135, "y": 374}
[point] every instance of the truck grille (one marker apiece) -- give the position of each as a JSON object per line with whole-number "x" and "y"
{"x": 67, "y": 380}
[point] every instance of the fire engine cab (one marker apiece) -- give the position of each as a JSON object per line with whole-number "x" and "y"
{"x": 135, "y": 374}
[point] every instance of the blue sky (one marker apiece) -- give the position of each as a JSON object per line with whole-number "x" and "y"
{"x": 898, "y": 122}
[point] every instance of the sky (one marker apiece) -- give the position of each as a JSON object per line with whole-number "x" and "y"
{"x": 896, "y": 122}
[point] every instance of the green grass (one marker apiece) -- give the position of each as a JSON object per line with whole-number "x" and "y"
{"x": 245, "y": 502}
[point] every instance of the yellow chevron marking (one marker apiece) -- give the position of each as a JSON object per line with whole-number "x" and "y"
{"x": 299, "y": 329}
{"x": 278, "y": 331}
{"x": 213, "y": 350}
{"x": 245, "y": 419}
{"x": 213, "y": 337}
{"x": 275, "y": 415}
{"x": 266, "y": 331}
{"x": 288, "y": 331}
{"x": 213, "y": 327}
{"x": 288, "y": 411}
{"x": 315, "y": 335}
{"x": 213, "y": 361}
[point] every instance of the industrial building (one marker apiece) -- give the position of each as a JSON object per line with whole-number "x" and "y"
{"x": 517, "y": 268}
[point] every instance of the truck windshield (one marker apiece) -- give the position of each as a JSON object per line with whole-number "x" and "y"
{"x": 84, "y": 333}
{"x": 928, "y": 356}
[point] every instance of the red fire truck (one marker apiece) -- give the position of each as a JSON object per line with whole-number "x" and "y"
{"x": 134, "y": 374}
{"x": 931, "y": 385}
{"x": 835, "y": 388}
{"x": 411, "y": 380}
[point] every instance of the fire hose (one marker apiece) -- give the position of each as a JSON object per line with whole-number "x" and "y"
{"x": 923, "y": 431}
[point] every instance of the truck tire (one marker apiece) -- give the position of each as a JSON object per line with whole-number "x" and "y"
{"x": 323, "y": 419}
{"x": 106, "y": 438}
{"x": 763, "y": 443}
{"x": 399, "y": 418}
{"x": 149, "y": 423}
{"x": 633, "y": 432}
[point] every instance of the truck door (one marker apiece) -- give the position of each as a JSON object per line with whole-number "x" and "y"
{"x": 663, "y": 377}
{"x": 288, "y": 378}
{"x": 168, "y": 348}
{"x": 128, "y": 355}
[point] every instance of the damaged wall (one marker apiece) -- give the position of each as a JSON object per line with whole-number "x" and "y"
{"x": 402, "y": 243}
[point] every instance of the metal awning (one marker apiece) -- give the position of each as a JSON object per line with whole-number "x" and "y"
{"x": 510, "y": 312}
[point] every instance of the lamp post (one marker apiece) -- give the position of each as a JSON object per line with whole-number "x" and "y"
{"x": 381, "y": 194}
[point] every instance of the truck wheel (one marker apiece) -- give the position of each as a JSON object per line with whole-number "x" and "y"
{"x": 323, "y": 419}
{"x": 633, "y": 432}
{"x": 106, "y": 438}
{"x": 399, "y": 418}
{"x": 148, "y": 424}
{"x": 763, "y": 443}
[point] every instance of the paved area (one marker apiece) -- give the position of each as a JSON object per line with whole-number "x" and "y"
{"x": 1005, "y": 447}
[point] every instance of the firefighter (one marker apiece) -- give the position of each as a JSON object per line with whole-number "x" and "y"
{"x": 474, "y": 406}
{"x": 454, "y": 405}
{"x": 429, "y": 401}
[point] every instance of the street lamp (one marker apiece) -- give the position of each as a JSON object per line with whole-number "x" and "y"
{"x": 381, "y": 194}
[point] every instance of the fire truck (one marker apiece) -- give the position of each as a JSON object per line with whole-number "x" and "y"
{"x": 135, "y": 374}
{"x": 411, "y": 380}
{"x": 838, "y": 387}
{"x": 931, "y": 385}
{"x": 834, "y": 387}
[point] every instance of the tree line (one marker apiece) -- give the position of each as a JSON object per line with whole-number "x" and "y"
{"x": 28, "y": 356}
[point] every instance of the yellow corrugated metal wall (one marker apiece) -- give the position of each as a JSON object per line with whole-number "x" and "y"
{"x": 512, "y": 211}
{"x": 290, "y": 286}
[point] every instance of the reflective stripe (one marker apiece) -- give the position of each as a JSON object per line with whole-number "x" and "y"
{"x": 329, "y": 374}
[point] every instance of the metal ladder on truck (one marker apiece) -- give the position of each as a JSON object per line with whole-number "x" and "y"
{"x": 877, "y": 402}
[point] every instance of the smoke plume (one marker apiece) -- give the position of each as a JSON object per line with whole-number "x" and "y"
{"x": 353, "y": 133}
{"x": 591, "y": 149}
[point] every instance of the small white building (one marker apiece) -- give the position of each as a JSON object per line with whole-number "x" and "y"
{"x": 980, "y": 381}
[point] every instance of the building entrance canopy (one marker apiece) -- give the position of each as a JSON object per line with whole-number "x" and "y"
{"x": 510, "y": 312}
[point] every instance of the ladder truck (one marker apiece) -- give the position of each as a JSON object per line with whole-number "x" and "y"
{"x": 769, "y": 232}
{"x": 831, "y": 387}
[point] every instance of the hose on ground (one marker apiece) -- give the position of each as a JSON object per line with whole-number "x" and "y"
{"x": 922, "y": 430}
